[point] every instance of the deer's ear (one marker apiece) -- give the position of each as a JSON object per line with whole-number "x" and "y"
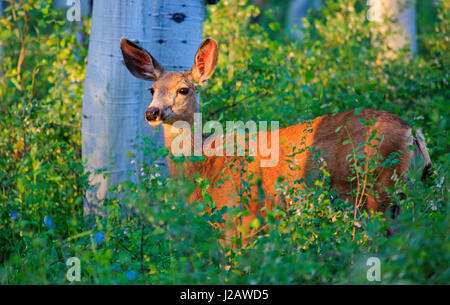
{"x": 139, "y": 62}
{"x": 205, "y": 61}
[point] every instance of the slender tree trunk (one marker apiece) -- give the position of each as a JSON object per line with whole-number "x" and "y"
{"x": 114, "y": 101}
{"x": 400, "y": 26}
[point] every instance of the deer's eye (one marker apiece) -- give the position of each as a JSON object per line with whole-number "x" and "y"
{"x": 183, "y": 91}
{"x": 152, "y": 91}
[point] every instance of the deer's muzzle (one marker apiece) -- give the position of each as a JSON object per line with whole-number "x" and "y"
{"x": 153, "y": 114}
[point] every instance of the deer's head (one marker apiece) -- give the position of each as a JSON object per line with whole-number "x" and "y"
{"x": 174, "y": 92}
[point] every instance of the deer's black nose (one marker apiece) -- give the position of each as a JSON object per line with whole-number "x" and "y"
{"x": 152, "y": 114}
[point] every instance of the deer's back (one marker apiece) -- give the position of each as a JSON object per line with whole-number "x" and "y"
{"x": 299, "y": 147}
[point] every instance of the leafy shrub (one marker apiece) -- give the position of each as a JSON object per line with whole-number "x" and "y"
{"x": 148, "y": 234}
{"x": 42, "y": 179}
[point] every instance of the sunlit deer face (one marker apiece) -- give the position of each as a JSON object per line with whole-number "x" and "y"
{"x": 174, "y": 99}
{"x": 174, "y": 93}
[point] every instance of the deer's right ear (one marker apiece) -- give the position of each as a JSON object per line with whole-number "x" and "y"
{"x": 139, "y": 62}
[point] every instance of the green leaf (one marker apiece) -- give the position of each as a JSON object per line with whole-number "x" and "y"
{"x": 255, "y": 223}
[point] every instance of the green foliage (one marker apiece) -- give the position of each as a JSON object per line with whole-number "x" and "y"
{"x": 41, "y": 78}
{"x": 148, "y": 234}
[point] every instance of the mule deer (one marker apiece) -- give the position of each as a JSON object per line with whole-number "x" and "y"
{"x": 175, "y": 99}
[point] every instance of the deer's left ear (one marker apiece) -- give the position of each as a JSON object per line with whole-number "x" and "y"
{"x": 205, "y": 61}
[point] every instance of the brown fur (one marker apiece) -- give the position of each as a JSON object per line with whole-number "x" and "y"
{"x": 323, "y": 137}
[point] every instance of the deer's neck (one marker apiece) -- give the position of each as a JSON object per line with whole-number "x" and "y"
{"x": 172, "y": 134}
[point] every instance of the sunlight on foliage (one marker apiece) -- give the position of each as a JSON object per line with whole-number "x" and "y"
{"x": 148, "y": 233}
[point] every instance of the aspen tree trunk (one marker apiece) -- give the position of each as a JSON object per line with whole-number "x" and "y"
{"x": 114, "y": 101}
{"x": 400, "y": 28}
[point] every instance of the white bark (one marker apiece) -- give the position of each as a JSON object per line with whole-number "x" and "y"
{"x": 177, "y": 27}
{"x": 401, "y": 28}
{"x": 114, "y": 101}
